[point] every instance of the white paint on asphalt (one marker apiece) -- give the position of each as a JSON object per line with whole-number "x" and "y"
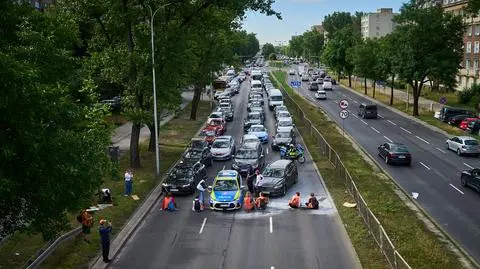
{"x": 353, "y": 114}
{"x": 267, "y": 150}
{"x": 389, "y": 140}
{"x": 467, "y": 165}
{"x": 377, "y": 131}
{"x": 271, "y": 267}
{"x": 336, "y": 102}
{"x": 356, "y": 102}
{"x": 451, "y": 185}
{"x": 422, "y": 139}
{"x": 392, "y": 123}
{"x": 364, "y": 122}
{"x": 271, "y": 225}
{"x": 424, "y": 165}
{"x": 203, "y": 226}
{"x": 406, "y": 130}
{"x": 439, "y": 149}
{"x": 380, "y": 116}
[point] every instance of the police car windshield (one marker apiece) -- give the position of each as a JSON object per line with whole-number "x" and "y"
{"x": 225, "y": 185}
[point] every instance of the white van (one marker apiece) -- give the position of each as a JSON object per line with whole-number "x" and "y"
{"x": 257, "y": 84}
{"x": 275, "y": 98}
{"x": 327, "y": 85}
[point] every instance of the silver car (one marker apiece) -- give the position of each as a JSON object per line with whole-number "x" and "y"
{"x": 463, "y": 145}
{"x": 223, "y": 148}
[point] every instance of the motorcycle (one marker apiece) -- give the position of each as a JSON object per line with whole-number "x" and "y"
{"x": 298, "y": 154}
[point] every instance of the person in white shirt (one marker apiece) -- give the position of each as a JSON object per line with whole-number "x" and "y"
{"x": 202, "y": 187}
{"x": 258, "y": 179}
{"x": 128, "y": 182}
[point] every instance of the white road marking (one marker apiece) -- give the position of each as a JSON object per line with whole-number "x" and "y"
{"x": 271, "y": 225}
{"x": 422, "y": 139}
{"x": 440, "y": 150}
{"x": 375, "y": 130}
{"x": 353, "y": 114}
{"x": 467, "y": 165}
{"x": 267, "y": 151}
{"x": 336, "y": 102}
{"x": 364, "y": 122}
{"x": 451, "y": 185}
{"x": 389, "y": 140}
{"x": 392, "y": 123}
{"x": 356, "y": 102}
{"x": 271, "y": 267}
{"x": 380, "y": 116}
{"x": 425, "y": 165}
{"x": 203, "y": 225}
{"x": 406, "y": 130}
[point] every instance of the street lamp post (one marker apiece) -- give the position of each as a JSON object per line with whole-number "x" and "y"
{"x": 155, "y": 114}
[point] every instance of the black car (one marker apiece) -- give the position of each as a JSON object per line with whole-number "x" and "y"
{"x": 252, "y": 119}
{"x": 456, "y": 120}
{"x": 248, "y": 158}
{"x": 395, "y": 153}
{"x": 283, "y": 138}
{"x": 278, "y": 177}
{"x": 471, "y": 178}
{"x": 184, "y": 177}
{"x": 228, "y": 112}
{"x": 474, "y": 127}
{"x": 367, "y": 111}
{"x": 313, "y": 86}
{"x": 198, "y": 150}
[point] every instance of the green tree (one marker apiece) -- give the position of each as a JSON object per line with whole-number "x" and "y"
{"x": 296, "y": 46}
{"x": 267, "y": 49}
{"x": 53, "y": 143}
{"x": 313, "y": 43}
{"x": 365, "y": 60}
{"x": 429, "y": 44}
{"x": 272, "y": 57}
{"x": 335, "y": 22}
{"x": 387, "y": 67}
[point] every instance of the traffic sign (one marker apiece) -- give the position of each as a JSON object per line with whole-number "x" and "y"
{"x": 344, "y": 114}
{"x": 343, "y": 104}
{"x": 443, "y": 100}
{"x": 296, "y": 84}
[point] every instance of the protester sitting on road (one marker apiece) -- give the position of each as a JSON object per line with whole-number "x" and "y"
{"x": 248, "y": 202}
{"x": 197, "y": 205}
{"x": 168, "y": 202}
{"x": 261, "y": 202}
{"x": 312, "y": 202}
{"x": 295, "y": 201}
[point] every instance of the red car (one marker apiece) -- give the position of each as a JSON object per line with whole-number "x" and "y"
{"x": 218, "y": 125}
{"x": 464, "y": 124}
{"x": 209, "y": 134}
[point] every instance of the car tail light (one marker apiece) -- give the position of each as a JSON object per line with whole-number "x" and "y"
{"x": 392, "y": 155}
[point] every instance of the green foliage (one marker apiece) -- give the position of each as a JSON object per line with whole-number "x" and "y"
{"x": 308, "y": 45}
{"x": 336, "y": 21}
{"x": 247, "y": 44}
{"x": 267, "y": 49}
{"x": 272, "y": 57}
{"x": 470, "y": 96}
{"x": 338, "y": 53}
{"x": 53, "y": 143}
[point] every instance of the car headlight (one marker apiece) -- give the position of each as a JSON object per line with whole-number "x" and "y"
{"x": 186, "y": 186}
{"x": 164, "y": 184}
{"x": 278, "y": 185}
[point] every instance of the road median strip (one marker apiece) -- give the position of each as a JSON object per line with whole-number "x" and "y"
{"x": 421, "y": 247}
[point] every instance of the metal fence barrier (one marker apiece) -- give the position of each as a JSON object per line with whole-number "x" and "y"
{"x": 393, "y": 257}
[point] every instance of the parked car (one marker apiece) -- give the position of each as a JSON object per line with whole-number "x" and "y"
{"x": 228, "y": 112}
{"x": 456, "y": 120}
{"x": 474, "y": 127}
{"x": 184, "y": 177}
{"x": 260, "y": 131}
{"x": 395, "y": 153}
{"x": 321, "y": 94}
{"x": 283, "y": 138}
{"x": 367, "y": 111}
{"x": 278, "y": 177}
{"x": 471, "y": 178}
{"x": 463, "y": 145}
{"x": 446, "y": 113}
{"x": 248, "y": 158}
{"x": 223, "y": 148}
{"x": 466, "y": 122}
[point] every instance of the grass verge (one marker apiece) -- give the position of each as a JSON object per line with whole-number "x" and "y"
{"x": 418, "y": 245}
{"x": 77, "y": 254}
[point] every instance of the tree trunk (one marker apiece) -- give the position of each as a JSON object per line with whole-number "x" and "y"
{"x": 350, "y": 80}
{"x": 374, "y": 89}
{"x": 391, "y": 90}
{"x": 197, "y": 91}
{"x": 151, "y": 143}
{"x": 417, "y": 88}
{"x": 365, "y": 85}
{"x": 339, "y": 77}
{"x": 134, "y": 149}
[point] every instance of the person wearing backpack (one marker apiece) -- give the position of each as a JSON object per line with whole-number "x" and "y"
{"x": 261, "y": 202}
{"x": 197, "y": 205}
{"x": 202, "y": 188}
{"x": 312, "y": 202}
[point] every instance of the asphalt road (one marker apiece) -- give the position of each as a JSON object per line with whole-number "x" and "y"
{"x": 434, "y": 173}
{"x": 277, "y": 238}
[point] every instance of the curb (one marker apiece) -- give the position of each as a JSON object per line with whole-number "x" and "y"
{"x": 401, "y": 113}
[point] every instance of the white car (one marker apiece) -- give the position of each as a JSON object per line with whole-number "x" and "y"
{"x": 463, "y": 145}
{"x": 284, "y": 125}
{"x": 291, "y": 72}
{"x": 283, "y": 114}
{"x": 223, "y": 148}
{"x": 278, "y": 109}
{"x": 437, "y": 115}
{"x": 250, "y": 138}
{"x": 321, "y": 94}
{"x": 327, "y": 85}
{"x": 216, "y": 115}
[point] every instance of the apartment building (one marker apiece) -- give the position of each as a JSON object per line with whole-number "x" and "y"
{"x": 378, "y": 24}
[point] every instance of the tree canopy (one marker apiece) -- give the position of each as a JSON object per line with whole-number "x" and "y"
{"x": 267, "y": 49}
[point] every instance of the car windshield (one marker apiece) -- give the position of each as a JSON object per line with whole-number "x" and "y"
{"x": 471, "y": 142}
{"x": 276, "y": 98}
{"x": 283, "y": 135}
{"x": 182, "y": 172}
{"x": 284, "y": 123}
{"x": 215, "y": 115}
{"x": 400, "y": 149}
{"x": 225, "y": 185}
{"x": 215, "y": 122}
{"x": 220, "y": 144}
{"x": 257, "y": 86}
{"x": 207, "y": 133}
{"x": 254, "y": 116}
{"x": 284, "y": 114}
{"x": 275, "y": 172}
{"x": 280, "y": 108}
{"x": 246, "y": 154}
{"x": 197, "y": 144}
{"x": 371, "y": 108}
{"x": 257, "y": 129}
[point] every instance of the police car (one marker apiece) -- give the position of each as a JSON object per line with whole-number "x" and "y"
{"x": 227, "y": 191}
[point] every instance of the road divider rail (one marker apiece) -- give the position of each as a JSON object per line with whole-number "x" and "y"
{"x": 393, "y": 257}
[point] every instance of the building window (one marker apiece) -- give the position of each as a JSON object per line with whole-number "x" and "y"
{"x": 467, "y": 65}
{"x": 476, "y": 49}
{"x": 475, "y": 67}
{"x": 469, "y": 47}
{"x": 469, "y": 30}
{"x": 477, "y": 29}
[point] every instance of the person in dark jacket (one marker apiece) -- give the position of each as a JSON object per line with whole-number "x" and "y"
{"x": 105, "y": 230}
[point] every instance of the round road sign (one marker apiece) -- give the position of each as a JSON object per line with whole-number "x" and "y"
{"x": 344, "y": 114}
{"x": 343, "y": 104}
{"x": 443, "y": 100}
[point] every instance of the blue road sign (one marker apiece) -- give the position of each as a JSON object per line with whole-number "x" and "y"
{"x": 443, "y": 100}
{"x": 296, "y": 84}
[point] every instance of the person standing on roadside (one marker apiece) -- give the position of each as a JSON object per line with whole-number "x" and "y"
{"x": 128, "y": 182}
{"x": 202, "y": 188}
{"x": 87, "y": 221}
{"x": 105, "y": 230}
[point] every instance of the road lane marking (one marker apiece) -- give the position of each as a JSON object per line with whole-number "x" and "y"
{"x": 424, "y": 165}
{"x": 467, "y": 165}
{"x": 392, "y": 123}
{"x": 389, "y": 140}
{"x": 271, "y": 225}
{"x": 336, "y": 102}
{"x": 406, "y": 130}
{"x": 451, "y": 185}
{"x": 375, "y": 130}
{"x": 356, "y": 102}
{"x": 380, "y": 116}
{"x": 271, "y": 267}
{"x": 364, "y": 122}
{"x": 422, "y": 139}
{"x": 267, "y": 150}
{"x": 203, "y": 226}
{"x": 440, "y": 150}
{"x": 353, "y": 114}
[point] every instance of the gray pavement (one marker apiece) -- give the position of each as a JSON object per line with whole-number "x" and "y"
{"x": 277, "y": 238}
{"x": 434, "y": 173}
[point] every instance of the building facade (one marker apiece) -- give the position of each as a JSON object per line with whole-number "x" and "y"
{"x": 378, "y": 24}
{"x": 469, "y": 71}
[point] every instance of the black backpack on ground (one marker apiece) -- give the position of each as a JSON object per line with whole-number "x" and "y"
{"x": 197, "y": 206}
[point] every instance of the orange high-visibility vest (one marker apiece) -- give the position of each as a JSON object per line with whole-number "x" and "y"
{"x": 248, "y": 203}
{"x": 166, "y": 201}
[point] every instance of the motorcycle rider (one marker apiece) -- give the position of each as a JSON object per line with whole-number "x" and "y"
{"x": 292, "y": 151}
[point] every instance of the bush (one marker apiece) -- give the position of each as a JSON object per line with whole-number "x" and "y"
{"x": 470, "y": 96}
{"x": 272, "y": 57}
